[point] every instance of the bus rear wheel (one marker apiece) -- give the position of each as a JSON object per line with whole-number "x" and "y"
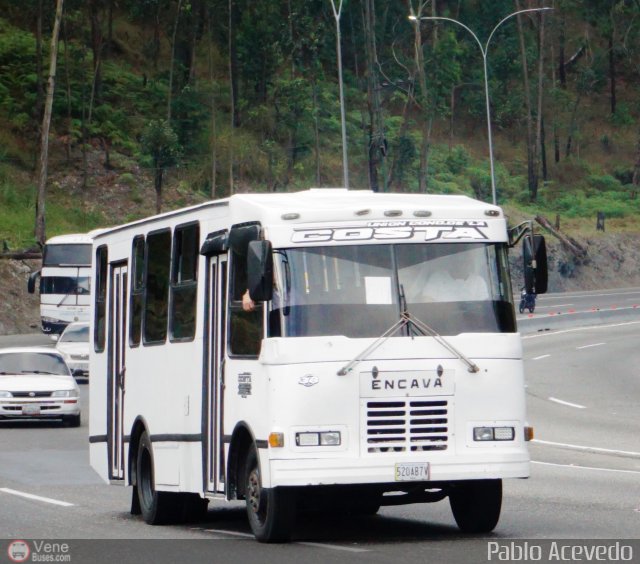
{"x": 271, "y": 512}
{"x": 157, "y": 508}
{"x": 476, "y": 505}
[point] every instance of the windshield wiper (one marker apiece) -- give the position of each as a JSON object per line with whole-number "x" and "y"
{"x": 72, "y": 291}
{"x": 39, "y": 372}
{"x": 407, "y": 319}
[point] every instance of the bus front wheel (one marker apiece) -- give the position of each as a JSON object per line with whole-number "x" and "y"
{"x": 271, "y": 512}
{"x": 476, "y": 505}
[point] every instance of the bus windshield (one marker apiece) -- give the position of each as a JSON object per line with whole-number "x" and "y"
{"x": 67, "y": 254}
{"x": 361, "y": 290}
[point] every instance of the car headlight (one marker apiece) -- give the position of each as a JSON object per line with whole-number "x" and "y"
{"x": 5, "y": 394}
{"x": 64, "y": 394}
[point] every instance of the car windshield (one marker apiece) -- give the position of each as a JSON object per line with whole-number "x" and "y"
{"x": 75, "y": 334}
{"x": 360, "y": 290}
{"x": 32, "y": 363}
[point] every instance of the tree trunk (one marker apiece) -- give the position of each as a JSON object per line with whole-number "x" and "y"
{"x": 562, "y": 72}
{"x": 539, "y": 135}
{"x": 97, "y": 41}
{"x": 233, "y": 89}
{"x": 39, "y": 82}
{"x": 532, "y": 176}
{"x": 422, "y": 82}
{"x": 40, "y": 225}
{"x": 157, "y": 182}
{"x": 376, "y": 133}
{"x": 636, "y": 169}
{"x": 214, "y": 133}
{"x": 612, "y": 74}
{"x": 233, "y": 64}
{"x": 171, "y": 62}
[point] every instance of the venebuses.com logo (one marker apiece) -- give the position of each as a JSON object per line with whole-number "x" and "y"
{"x": 18, "y": 551}
{"x": 38, "y": 551}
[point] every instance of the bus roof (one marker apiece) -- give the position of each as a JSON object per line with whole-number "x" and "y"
{"x": 317, "y": 205}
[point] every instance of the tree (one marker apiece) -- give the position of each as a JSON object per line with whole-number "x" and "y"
{"x": 40, "y": 227}
{"x": 160, "y": 144}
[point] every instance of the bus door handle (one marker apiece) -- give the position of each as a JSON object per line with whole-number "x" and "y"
{"x": 121, "y": 378}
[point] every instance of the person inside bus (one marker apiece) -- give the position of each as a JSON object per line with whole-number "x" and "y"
{"x": 458, "y": 279}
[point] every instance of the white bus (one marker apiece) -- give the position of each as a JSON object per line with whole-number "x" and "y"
{"x": 64, "y": 281}
{"x": 344, "y": 381}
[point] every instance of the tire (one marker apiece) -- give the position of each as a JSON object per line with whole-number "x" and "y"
{"x": 157, "y": 508}
{"x": 476, "y": 505}
{"x": 521, "y": 308}
{"x": 72, "y": 420}
{"x": 531, "y": 309}
{"x": 271, "y": 512}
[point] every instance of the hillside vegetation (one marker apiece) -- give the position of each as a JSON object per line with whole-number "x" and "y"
{"x": 163, "y": 103}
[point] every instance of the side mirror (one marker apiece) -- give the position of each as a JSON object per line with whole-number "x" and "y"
{"x": 534, "y": 252}
{"x": 31, "y": 283}
{"x": 260, "y": 270}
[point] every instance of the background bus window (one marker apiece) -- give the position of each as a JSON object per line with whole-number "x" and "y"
{"x": 184, "y": 282}
{"x": 156, "y": 302}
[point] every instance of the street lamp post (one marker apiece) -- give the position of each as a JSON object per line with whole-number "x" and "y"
{"x": 345, "y": 164}
{"x": 484, "y": 49}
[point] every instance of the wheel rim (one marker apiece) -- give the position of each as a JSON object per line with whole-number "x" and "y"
{"x": 254, "y": 497}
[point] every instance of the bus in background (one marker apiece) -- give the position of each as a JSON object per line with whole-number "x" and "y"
{"x": 310, "y": 350}
{"x": 64, "y": 281}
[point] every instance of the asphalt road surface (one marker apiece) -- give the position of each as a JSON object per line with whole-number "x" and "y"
{"x": 583, "y": 397}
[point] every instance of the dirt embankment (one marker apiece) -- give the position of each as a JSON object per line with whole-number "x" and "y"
{"x": 612, "y": 261}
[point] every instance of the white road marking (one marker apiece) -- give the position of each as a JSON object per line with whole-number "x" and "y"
{"x": 36, "y": 497}
{"x": 551, "y": 333}
{"x": 333, "y": 546}
{"x": 585, "y": 467}
{"x": 589, "y": 449}
{"x": 568, "y": 403}
{"x": 541, "y": 357}
{"x": 589, "y": 346}
{"x": 548, "y": 306}
{"x": 315, "y": 544}
{"x": 232, "y": 533}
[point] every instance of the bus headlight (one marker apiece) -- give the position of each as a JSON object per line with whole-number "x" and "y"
{"x": 323, "y": 438}
{"x": 493, "y": 433}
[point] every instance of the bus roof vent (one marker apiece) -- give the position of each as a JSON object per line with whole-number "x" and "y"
{"x": 422, "y": 213}
{"x": 393, "y": 213}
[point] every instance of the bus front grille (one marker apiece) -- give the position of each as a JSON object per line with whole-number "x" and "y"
{"x": 406, "y": 426}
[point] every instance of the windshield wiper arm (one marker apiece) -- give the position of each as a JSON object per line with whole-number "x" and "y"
{"x": 373, "y": 346}
{"x": 430, "y": 332}
{"x": 406, "y": 319}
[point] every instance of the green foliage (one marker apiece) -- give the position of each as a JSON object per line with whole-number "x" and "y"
{"x": 160, "y": 144}
{"x": 458, "y": 159}
{"x": 604, "y": 183}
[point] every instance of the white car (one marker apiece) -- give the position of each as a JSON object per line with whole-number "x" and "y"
{"x": 35, "y": 383}
{"x": 73, "y": 344}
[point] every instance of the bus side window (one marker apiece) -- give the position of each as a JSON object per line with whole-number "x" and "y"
{"x": 99, "y": 336}
{"x": 184, "y": 282}
{"x": 137, "y": 291}
{"x": 245, "y": 327}
{"x": 156, "y": 294}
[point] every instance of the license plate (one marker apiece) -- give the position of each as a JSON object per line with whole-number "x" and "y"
{"x": 412, "y": 472}
{"x": 30, "y": 410}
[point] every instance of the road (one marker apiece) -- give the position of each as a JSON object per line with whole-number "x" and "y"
{"x": 583, "y": 390}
